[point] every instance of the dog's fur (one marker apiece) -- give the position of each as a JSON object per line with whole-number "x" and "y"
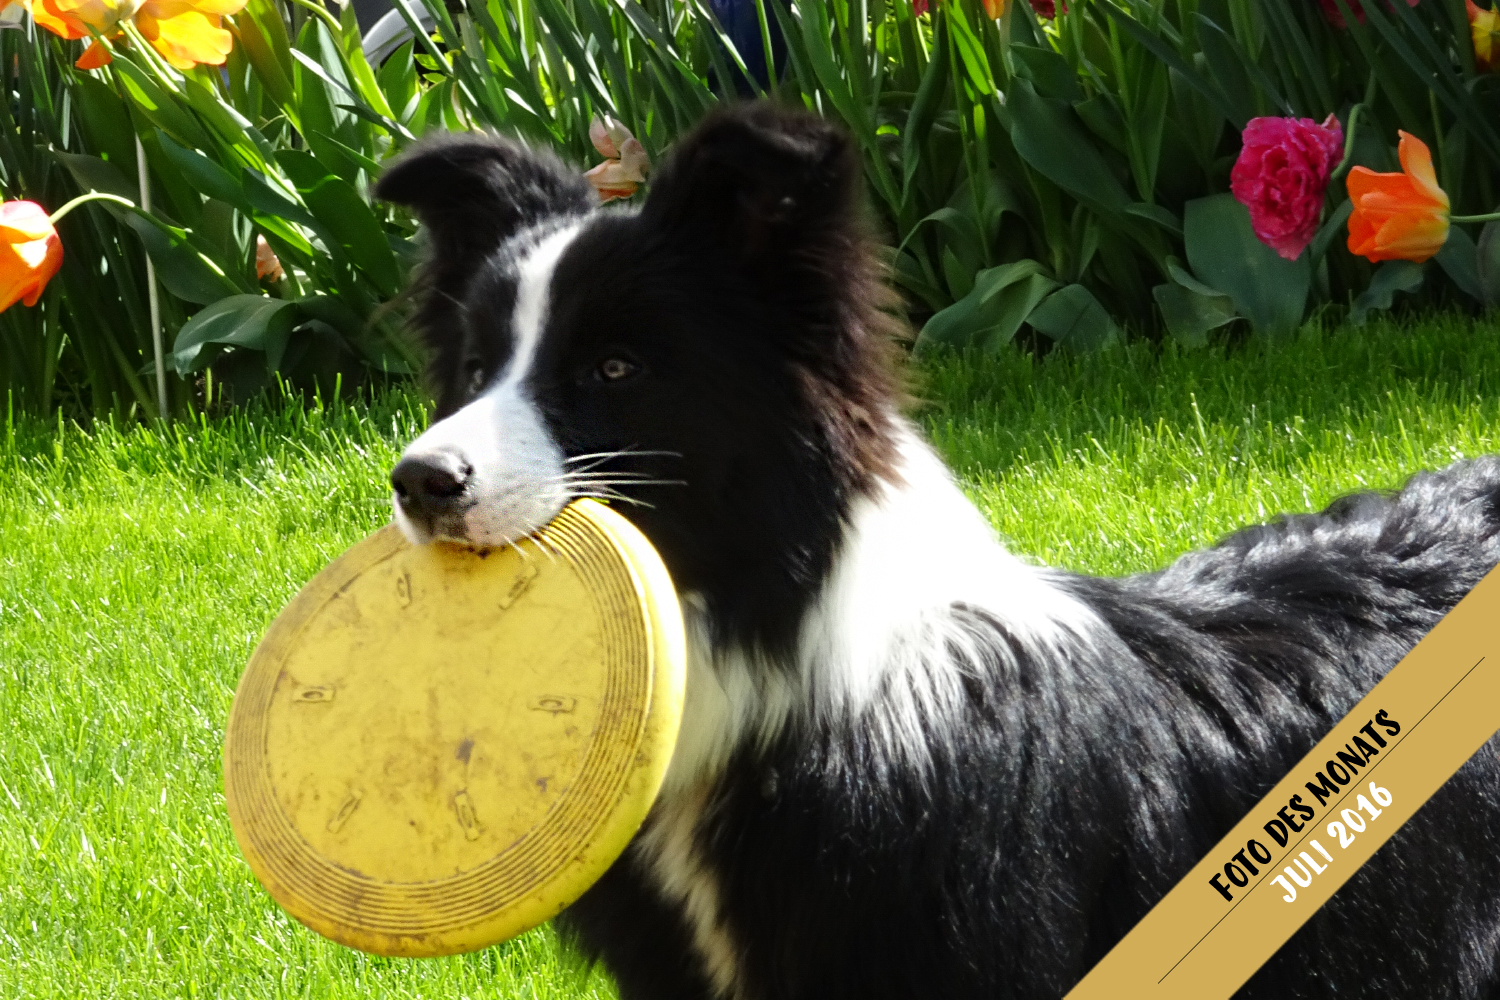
{"x": 911, "y": 765}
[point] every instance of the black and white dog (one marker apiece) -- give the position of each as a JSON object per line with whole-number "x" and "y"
{"x": 911, "y": 764}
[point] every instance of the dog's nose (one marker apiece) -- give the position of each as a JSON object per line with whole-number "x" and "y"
{"x": 431, "y": 483}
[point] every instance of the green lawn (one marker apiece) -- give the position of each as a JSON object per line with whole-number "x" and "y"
{"x": 137, "y": 570}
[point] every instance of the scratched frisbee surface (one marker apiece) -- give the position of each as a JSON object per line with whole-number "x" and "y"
{"x": 434, "y": 749}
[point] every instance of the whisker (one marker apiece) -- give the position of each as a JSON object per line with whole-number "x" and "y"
{"x": 633, "y": 482}
{"x": 585, "y": 474}
{"x": 611, "y": 495}
{"x": 604, "y": 481}
{"x": 621, "y": 453}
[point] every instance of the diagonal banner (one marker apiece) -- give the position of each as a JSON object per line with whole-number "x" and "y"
{"x": 1328, "y": 816}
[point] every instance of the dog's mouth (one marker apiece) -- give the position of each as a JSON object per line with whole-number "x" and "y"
{"x": 477, "y": 517}
{"x": 420, "y": 530}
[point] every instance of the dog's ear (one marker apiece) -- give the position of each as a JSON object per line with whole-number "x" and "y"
{"x": 765, "y": 184}
{"x": 472, "y": 192}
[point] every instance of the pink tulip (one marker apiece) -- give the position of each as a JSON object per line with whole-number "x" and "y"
{"x": 1281, "y": 175}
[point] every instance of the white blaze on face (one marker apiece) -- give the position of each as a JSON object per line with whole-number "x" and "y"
{"x": 517, "y": 480}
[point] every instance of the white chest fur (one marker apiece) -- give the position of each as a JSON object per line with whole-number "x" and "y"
{"x": 874, "y": 651}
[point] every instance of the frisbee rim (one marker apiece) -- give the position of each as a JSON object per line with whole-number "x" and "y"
{"x": 665, "y": 661}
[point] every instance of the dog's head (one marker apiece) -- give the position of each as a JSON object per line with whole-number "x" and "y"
{"x": 718, "y": 359}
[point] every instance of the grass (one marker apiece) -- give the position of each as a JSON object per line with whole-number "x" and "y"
{"x": 139, "y": 567}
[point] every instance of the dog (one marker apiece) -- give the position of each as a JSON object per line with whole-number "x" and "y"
{"x": 910, "y": 763}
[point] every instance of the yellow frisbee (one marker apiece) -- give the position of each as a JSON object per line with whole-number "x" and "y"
{"x": 436, "y": 748}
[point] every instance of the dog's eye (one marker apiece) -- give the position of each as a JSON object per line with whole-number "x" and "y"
{"x": 615, "y": 369}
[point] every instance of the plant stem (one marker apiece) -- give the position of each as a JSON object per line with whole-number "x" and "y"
{"x": 143, "y": 173}
{"x": 323, "y": 13}
{"x": 152, "y": 58}
{"x": 57, "y": 216}
{"x": 1348, "y": 159}
{"x": 1493, "y": 216}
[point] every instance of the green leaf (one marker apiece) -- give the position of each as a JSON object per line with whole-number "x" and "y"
{"x": 184, "y": 271}
{"x": 203, "y": 173}
{"x": 923, "y": 109}
{"x": 1190, "y": 315}
{"x": 316, "y": 104}
{"x": 233, "y": 129}
{"x": 159, "y": 107}
{"x": 254, "y": 322}
{"x": 909, "y": 275}
{"x": 1488, "y": 254}
{"x": 398, "y": 80}
{"x": 970, "y": 50}
{"x": 1460, "y": 259}
{"x": 263, "y": 38}
{"x": 1048, "y": 71}
{"x": 1053, "y": 142}
{"x": 1149, "y": 120}
{"x": 105, "y": 122}
{"x": 1222, "y": 248}
{"x": 1390, "y": 277}
{"x": 262, "y": 195}
{"x": 958, "y": 274}
{"x": 332, "y": 310}
{"x": 992, "y": 312}
{"x": 1102, "y": 115}
{"x": 1164, "y": 52}
{"x": 1155, "y": 213}
{"x": 93, "y": 174}
{"x": 1226, "y": 63}
{"x": 1217, "y": 46}
{"x": 359, "y": 159}
{"x": 345, "y": 216}
{"x": 1330, "y": 231}
{"x": 1073, "y": 318}
{"x": 1182, "y": 277}
{"x": 963, "y": 234}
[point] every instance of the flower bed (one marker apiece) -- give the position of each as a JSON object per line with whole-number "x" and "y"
{"x": 1049, "y": 171}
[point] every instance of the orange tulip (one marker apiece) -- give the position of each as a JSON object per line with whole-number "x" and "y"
{"x": 30, "y": 252}
{"x": 185, "y": 32}
{"x": 1485, "y": 26}
{"x": 46, "y": 14}
{"x": 267, "y": 264}
{"x": 1399, "y": 216}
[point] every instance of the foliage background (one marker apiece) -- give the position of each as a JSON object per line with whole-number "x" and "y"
{"x": 1053, "y": 179}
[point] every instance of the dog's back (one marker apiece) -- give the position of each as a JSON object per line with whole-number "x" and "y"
{"x": 1072, "y": 787}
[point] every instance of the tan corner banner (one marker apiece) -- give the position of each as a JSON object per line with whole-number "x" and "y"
{"x": 1331, "y": 812}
